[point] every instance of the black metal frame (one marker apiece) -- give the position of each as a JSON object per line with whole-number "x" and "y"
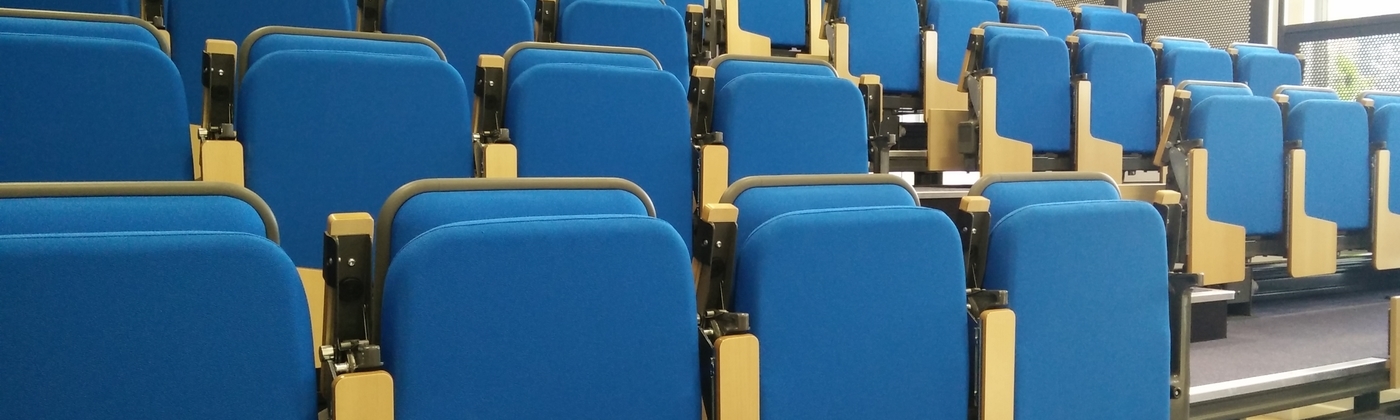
{"x": 1292, "y": 36}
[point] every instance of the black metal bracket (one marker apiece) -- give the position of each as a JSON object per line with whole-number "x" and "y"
{"x": 975, "y": 230}
{"x": 218, "y": 76}
{"x": 880, "y": 139}
{"x": 346, "y": 347}
{"x": 714, "y": 250}
{"x": 1173, "y": 217}
{"x": 154, "y": 11}
{"x": 490, "y": 92}
{"x": 547, "y": 16}
{"x": 695, "y": 38}
{"x": 981, "y": 300}
{"x": 371, "y": 15}
{"x": 702, "y": 100}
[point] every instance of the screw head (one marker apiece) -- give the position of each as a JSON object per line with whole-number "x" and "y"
{"x": 351, "y": 262}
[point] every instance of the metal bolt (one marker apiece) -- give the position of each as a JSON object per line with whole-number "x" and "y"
{"x": 221, "y": 72}
{"x": 719, "y": 244}
{"x": 351, "y": 262}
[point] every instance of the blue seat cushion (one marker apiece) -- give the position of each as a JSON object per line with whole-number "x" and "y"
{"x": 729, "y": 69}
{"x": 894, "y": 288}
{"x": 272, "y": 43}
{"x": 1124, "y": 102}
{"x": 148, "y": 307}
{"x": 315, "y": 147}
{"x": 90, "y": 109}
{"x": 1385, "y": 125}
{"x": 1181, "y": 64}
{"x": 106, "y": 7}
{"x": 464, "y": 30}
{"x": 759, "y": 205}
{"x": 618, "y": 332}
{"x": 426, "y": 211}
{"x": 1382, "y": 99}
{"x": 1007, "y": 197}
{"x": 1032, "y": 72}
{"x": 1242, "y": 132}
{"x": 784, "y": 22}
{"x": 785, "y": 124}
{"x": 1264, "y": 72}
{"x": 1334, "y": 134}
{"x": 527, "y": 58}
{"x": 651, "y": 26}
{"x": 1298, "y": 96}
{"x": 1050, "y": 257}
{"x": 128, "y": 213}
{"x": 954, "y": 20}
{"x": 123, "y": 31}
{"x": 885, "y": 40}
{"x": 623, "y": 122}
{"x": 194, "y": 21}
{"x": 1110, "y": 19}
{"x": 1056, "y": 21}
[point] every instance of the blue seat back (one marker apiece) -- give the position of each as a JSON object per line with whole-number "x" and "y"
{"x": 1049, "y": 257}
{"x": 191, "y": 22}
{"x": 1385, "y": 127}
{"x": 328, "y": 131}
{"x": 1032, "y": 71}
{"x": 107, "y": 7}
{"x": 784, "y": 22}
{"x": 906, "y": 359}
{"x": 526, "y": 56}
{"x": 1110, "y": 19}
{"x": 126, "y": 207}
{"x": 1009, "y": 193}
{"x": 729, "y": 67}
{"x": 1299, "y": 94}
{"x": 782, "y": 119}
{"x": 1265, "y": 69}
{"x": 1189, "y": 59}
{"x": 650, "y": 25}
{"x": 884, "y": 40}
{"x": 1241, "y": 131}
{"x": 79, "y": 24}
{"x": 762, "y": 199}
{"x": 626, "y": 278}
{"x": 149, "y": 306}
{"x": 71, "y": 115}
{"x": 268, "y": 40}
{"x": 464, "y": 29}
{"x": 1124, "y": 98}
{"x": 1381, "y": 99}
{"x": 1057, "y": 21}
{"x": 1336, "y": 137}
{"x": 954, "y": 20}
{"x": 602, "y": 120}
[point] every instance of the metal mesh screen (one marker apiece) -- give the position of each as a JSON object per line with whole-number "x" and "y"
{"x": 1069, "y": 4}
{"x": 1220, "y": 22}
{"x": 1353, "y": 65}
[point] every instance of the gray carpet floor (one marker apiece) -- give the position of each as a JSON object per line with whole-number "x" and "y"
{"x": 1296, "y": 333}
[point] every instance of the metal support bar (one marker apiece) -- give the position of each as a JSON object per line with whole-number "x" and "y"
{"x": 695, "y": 35}
{"x": 974, "y": 224}
{"x": 348, "y": 247}
{"x": 218, "y": 73}
{"x": 714, "y": 250}
{"x": 1179, "y": 306}
{"x": 880, "y": 140}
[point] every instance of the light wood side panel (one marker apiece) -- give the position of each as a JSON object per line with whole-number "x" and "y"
{"x": 221, "y": 161}
{"x": 841, "y": 51}
{"x": 714, "y": 172}
{"x": 1142, "y": 192}
{"x": 974, "y": 204}
{"x": 719, "y": 213}
{"x": 315, "y": 288}
{"x": 736, "y": 377}
{"x": 1092, "y": 154}
{"x": 816, "y": 43}
{"x": 739, "y": 41}
{"x": 944, "y": 108}
{"x": 1312, "y": 242}
{"x": 499, "y": 160}
{"x": 1215, "y": 250}
{"x": 1168, "y": 96}
{"x": 364, "y": 396}
{"x": 998, "y": 391}
{"x": 1385, "y": 226}
{"x": 999, "y": 154}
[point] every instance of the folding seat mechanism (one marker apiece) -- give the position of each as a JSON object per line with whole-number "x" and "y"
{"x": 546, "y": 20}
{"x": 495, "y": 155}
{"x": 974, "y": 225}
{"x": 371, "y": 15}
{"x": 994, "y": 325}
{"x": 696, "y": 23}
{"x": 715, "y": 234}
{"x": 346, "y": 346}
{"x": 1173, "y": 147}
{"x": 729, "y": 353}
{"x": 881, "y": 129}
{"x": 711, "y": 156}
{"x": 154, "y": 11}
{"x": 218, "y": 78}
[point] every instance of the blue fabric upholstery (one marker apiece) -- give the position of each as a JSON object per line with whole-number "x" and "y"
{"x": 543, "y": 316}
{"x": 787, "y": 124}
{"x": 1265, "y": 71}
{"x": 1382, "y": 99}
{"x": 282, "y": 42}
{"x": 759, "y": 205}
{"x": 1007, "y": 197}
{"x": 1056, "y": 21}
{"x": 590, "y": 120}
{"x": 122, "y": 31}
{"x": 885, "y": 40}
{"x": 784, "y": 22}
{"x": 1336, "y": 138}
{"x": 107, "y": 7}
{"x": 1242, "y": 131}
{"x": 1032, "y": 72}
{"x": 954, "y": 20}
{"x": 892, "y": 291}
{"x": 1124, "y": 100}
{"x": 191, "y": 22}
{"x": 651, "y": 26}
{"x": 128, "y": 214}
{"x": 1199, "y": 93}
{"x": 1298, "y": 96}
{"x": 1385, "y": 127}
{"x": 1110, "y": 19}
{"x": 528, "y": 58}
{"x": 334, "y": 131}
{"x": 1185, "y": 60}
{"x": 144, "y": 309}
{"x": 426, "y": 211}
{"x": 680, "y": 5}
{"x": 90, "y": 109}
{"x": 1050, "y": 257}
{"x": 729, "y": 69}
{"x": 463, "y": 29}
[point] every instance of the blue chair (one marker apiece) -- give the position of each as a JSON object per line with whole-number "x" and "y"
{"x": 1264, "y": 69}
{"x": 762, "y": 28}
{"x": 904, "y": 351}
{"x": 464, "y": 30}
{"x": 1118, "y": 79}
{"x": 1384, "y": 122}
{"x": 333, "y": 122}
{"x": 192, "y": 22}
{"x": 617, "y": 339}
{"x": 107, "y": 7}
{"x": 1020, "y": 101}
{"x": 1057, "y": 21}
{"x": 71, "y": 116}
{"x": 650, "y": 25}
{"x": 1110, "y": 19}
{"x": 1184, "y": 59}
{"x": 54, "y": 208}
{"x": 1335, "y": 135}
{"x": 1047, "y": 250}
